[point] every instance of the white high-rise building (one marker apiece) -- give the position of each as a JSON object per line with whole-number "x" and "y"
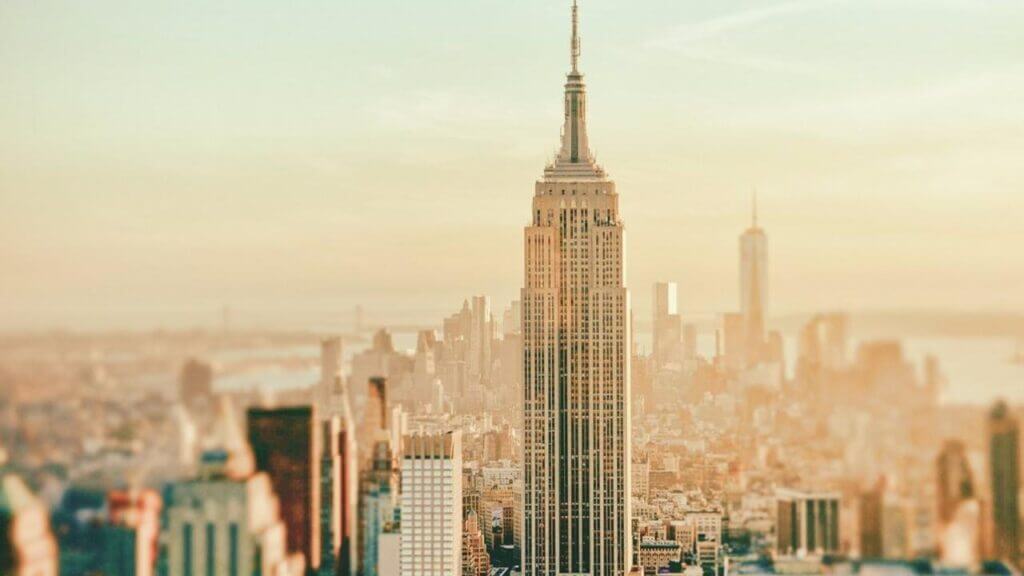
{"x": 667, "y": 326}
{"x": 431, "y": 542}
{"x": 27, "y": 544}
{"x": 576, "y": 310}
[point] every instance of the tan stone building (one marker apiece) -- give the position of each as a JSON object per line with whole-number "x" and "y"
{"x": 576, "y": 466}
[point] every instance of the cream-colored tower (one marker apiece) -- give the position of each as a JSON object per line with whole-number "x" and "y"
{"x": 754, "y": 287}
{"x": 432, "y": 505}
{"x": 575, "y": 306}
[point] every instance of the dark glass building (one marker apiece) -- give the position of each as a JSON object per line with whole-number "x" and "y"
{"x": 285, "y": 445}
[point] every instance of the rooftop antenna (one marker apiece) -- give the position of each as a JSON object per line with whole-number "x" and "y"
{"x": 575, "y": 48}
{"x": 754, "y": 208}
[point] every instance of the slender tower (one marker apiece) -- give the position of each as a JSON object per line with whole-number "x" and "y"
{"x": 1004, "y": 471}
{"x": 575, "y": 306}
{"x": 753, "y": 286}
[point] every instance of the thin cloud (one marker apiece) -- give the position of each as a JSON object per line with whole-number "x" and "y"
{"x": 446, "y": 110}
{"x": 463, "y": 116}
{"x": 688, "y": 36}
{"x": 751, "y": 62}
{"x": 700, "y": 40}
{"x": 950, "y": 102}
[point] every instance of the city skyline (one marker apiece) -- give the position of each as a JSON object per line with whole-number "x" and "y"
{"x": 261, "y": 317}
{"x": 169, "y": 203}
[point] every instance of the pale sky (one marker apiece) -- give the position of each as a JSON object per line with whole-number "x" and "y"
{"x": 160, "y": 159}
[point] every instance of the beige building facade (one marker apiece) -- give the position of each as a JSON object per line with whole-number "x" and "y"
{"x": 576, "y": 310}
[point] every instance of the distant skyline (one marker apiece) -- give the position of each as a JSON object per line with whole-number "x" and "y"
{"x": 160, "y": 161}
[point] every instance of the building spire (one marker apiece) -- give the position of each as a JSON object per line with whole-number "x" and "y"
{"x": 574, "y": 160}
{"x": 574, "y": 49}
{"x": 753, "y": 207}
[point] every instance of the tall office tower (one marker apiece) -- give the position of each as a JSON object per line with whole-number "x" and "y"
{"x": 472, "y": 487}
{"x": 377, "y": 483}
{"x": 453, "y": 363}
{"x": 508, "y": 379}
{"x": 383, "y": 360}
{"x": 954, "y": 476}
{"x": 330, "y": 360}
{"x": 339, "y": 405}
{"x": 475, "y": 560}
{"x": 576, "y": 411}
{"x": 27, "y": 545}
{"x": 377, "y": 508}
{"x": 374, "y": 424}
{"x": 424, "y": 368}
{"x": 376, "y": 417}
{"x": 666, "y": 325}
{"x": 195, "y": 383}
{"x": 331, "y": 480}
{"x": 754, "y": 287}
{"x": 456, "y": 330}
{"x": 330, "y": 364}
{"x": 1004, "y": 462}
{"x": 807, "y": 523}
{"x": 432, "y": 505}
{"x": 480, "y": 340}
{"x": 285, "y": 444}
{"x": 339, "y": 497}
{"x": 347, "y": 481}
{"x": 822, "y": 342}
{"x": 342, "y": 448}
{"x": 348, "y": 556}
{"x": 735, "y": 343}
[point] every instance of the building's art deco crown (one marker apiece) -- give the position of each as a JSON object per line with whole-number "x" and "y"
{"x": 574, "y": 160}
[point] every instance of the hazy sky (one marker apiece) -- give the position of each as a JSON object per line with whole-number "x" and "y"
{"x": 159, "y": 159}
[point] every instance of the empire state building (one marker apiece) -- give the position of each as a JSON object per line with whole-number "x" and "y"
{"x": 576, "y": 465}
